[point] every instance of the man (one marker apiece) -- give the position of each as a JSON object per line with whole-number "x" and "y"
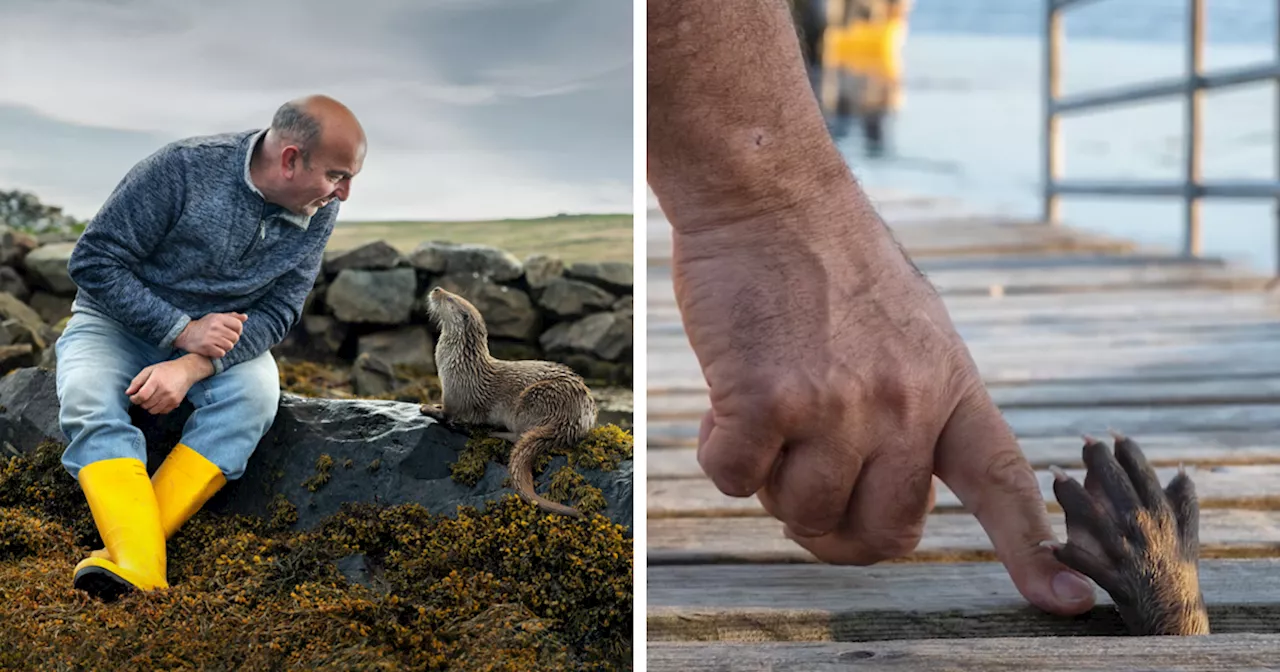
{"x": 838, "y": 384}
{"x": 195, "y": 266}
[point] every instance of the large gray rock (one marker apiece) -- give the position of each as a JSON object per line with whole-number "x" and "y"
{"x": 381, "y": 297}
{"x": 440, "y": 257}
{"x": 13, "y": 309}
{"x": 11, "y": 282}
{"x": 508, "y": 312}
{"x": 541, "y": 269}
{"x": 383, "y": 452}
{"x": 615, "y": 276}
{"x": 50, "y": 307}
{"x": 15, "y": 245}
{"x": 377, "y": 255}
{"x": 603, "y": 335}
{"x": 411, "y": 346}
{"x": 48, "y": 264}
{"x": 569, "y": 298}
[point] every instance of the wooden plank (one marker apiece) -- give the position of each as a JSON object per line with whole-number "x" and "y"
{"x": 1013, "y": 281}
{"x": 1069, "y": 420}
{"x": 818, "y": 602}
{"x": 948, "y": 537}
{"x": 1162, "y": 450}
{"x": 692, "y": 402}
{"x": 1058, "y": 338}
{"x": 960, "y": 236}
{"x": 1082, "y": 319}
{"x": 677, "y": 368}
{"x": 1114, "y": 347}
{"x": 1207, "y": 327}
{"x": 1248, "y": 485}
{"x": 1242, "y": 651}
{"x": 1040, "y": 308}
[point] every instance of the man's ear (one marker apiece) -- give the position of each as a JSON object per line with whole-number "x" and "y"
{"x": 289, "y": 159}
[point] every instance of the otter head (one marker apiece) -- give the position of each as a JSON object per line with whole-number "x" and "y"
{"x": 451, "y": 312}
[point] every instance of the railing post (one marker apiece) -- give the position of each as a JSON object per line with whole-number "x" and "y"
{"x": 1195, "y": 104}
{"x": 1051, "y": 90}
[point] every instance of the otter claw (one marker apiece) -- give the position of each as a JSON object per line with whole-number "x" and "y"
{"x": 1136, "y": 540}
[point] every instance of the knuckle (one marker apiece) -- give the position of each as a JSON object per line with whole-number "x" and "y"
{"x": 732, "y": 475}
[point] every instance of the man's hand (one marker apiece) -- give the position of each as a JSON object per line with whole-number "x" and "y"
{"x": 838, "y": 384}
{"x": 212, "y": 335}
{"x": 160, "y": 388}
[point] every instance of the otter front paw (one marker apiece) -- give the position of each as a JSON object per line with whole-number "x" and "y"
{"x": 1138, "y": 542}
{"x": 436, "y": 412}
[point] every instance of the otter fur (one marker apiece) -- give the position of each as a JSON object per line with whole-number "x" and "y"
{"x": 1136, "y": 540}
{"x": 541, "y": 405}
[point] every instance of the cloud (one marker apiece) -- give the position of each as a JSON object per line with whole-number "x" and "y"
{"x": 480, "y": 92}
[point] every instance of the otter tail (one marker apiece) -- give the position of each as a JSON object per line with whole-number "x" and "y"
{"x": 535, "y": 442}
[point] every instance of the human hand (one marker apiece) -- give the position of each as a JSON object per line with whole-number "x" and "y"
{"x": 212, "y": 335}
{"x": 159, "y": 388}
{"x": 839, "y": 386}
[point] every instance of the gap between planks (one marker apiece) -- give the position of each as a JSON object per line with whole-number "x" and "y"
{"x": 1254, "y": 486}
{"x": 691, "y": 402}
{"x": 1162, "y": 450}
{"x": 1066, "y": 421}
{"x": 1233, "y": 652}
{"x": 751, "y": 603}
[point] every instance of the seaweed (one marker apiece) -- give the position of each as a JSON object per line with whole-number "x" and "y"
{"x": 506, "y": 588}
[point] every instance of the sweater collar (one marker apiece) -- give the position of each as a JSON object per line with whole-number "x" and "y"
{"x": 279, "y": 212}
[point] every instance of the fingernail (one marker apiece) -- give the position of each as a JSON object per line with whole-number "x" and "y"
{"x": 1070, "y": 587}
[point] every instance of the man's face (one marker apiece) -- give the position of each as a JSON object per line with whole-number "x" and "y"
{"x": 328, "y": 175}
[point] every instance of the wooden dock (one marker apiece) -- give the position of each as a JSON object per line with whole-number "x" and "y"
{"x": 1074, "y": 333}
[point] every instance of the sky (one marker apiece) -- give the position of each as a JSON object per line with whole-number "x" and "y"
{"x": 473, "y": 109}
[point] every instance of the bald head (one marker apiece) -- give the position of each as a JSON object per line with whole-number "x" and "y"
{"x": 314, "y": 122}
{"x": 331, "y": 144}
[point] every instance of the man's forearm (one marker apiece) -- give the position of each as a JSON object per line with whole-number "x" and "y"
{"x": 732, "y": 121}
{"x": 276, "y": 313}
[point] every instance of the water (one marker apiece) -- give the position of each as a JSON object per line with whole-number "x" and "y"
{"x": 472, "y": 109}
{"x": 970, "y": 125}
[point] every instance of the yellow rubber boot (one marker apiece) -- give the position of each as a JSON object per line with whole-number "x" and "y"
{"x": 128, "y": 519}
{"x": 183, "y": 483}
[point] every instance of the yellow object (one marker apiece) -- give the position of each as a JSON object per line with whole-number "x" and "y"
{"x": 128, "y": 519}
{"x": 870, "y": 48}
{"x": 183, "y": 483}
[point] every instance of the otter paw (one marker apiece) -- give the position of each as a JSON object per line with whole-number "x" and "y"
{"x": 433, "y": 411}
{"x": 1138, "y": 542}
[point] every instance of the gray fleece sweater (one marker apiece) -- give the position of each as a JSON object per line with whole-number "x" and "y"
{"x": 186, "y": 233}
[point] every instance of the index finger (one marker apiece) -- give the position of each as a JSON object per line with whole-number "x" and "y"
{"x": 978, "y": 457}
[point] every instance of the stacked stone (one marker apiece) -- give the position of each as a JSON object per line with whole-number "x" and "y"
{"x": 369, "y": 305}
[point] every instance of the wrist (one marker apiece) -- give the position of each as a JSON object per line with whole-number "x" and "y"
{"x": 776, "y": 185}
{"x": 198, "y": 367}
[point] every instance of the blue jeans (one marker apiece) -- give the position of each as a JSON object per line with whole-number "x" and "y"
{"x": 98, "y": 358}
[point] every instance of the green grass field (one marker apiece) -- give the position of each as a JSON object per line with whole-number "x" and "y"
{"x": 570, "y": 237}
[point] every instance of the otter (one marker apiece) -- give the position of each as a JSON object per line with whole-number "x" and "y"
{"x": 541, "y": 405}
{"x": 1137, "y": 541}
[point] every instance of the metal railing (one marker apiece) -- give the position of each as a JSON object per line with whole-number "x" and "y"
{"x": 1191, "y": 86}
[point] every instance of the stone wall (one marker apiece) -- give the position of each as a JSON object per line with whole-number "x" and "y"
{"x": 367, "y": 306}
